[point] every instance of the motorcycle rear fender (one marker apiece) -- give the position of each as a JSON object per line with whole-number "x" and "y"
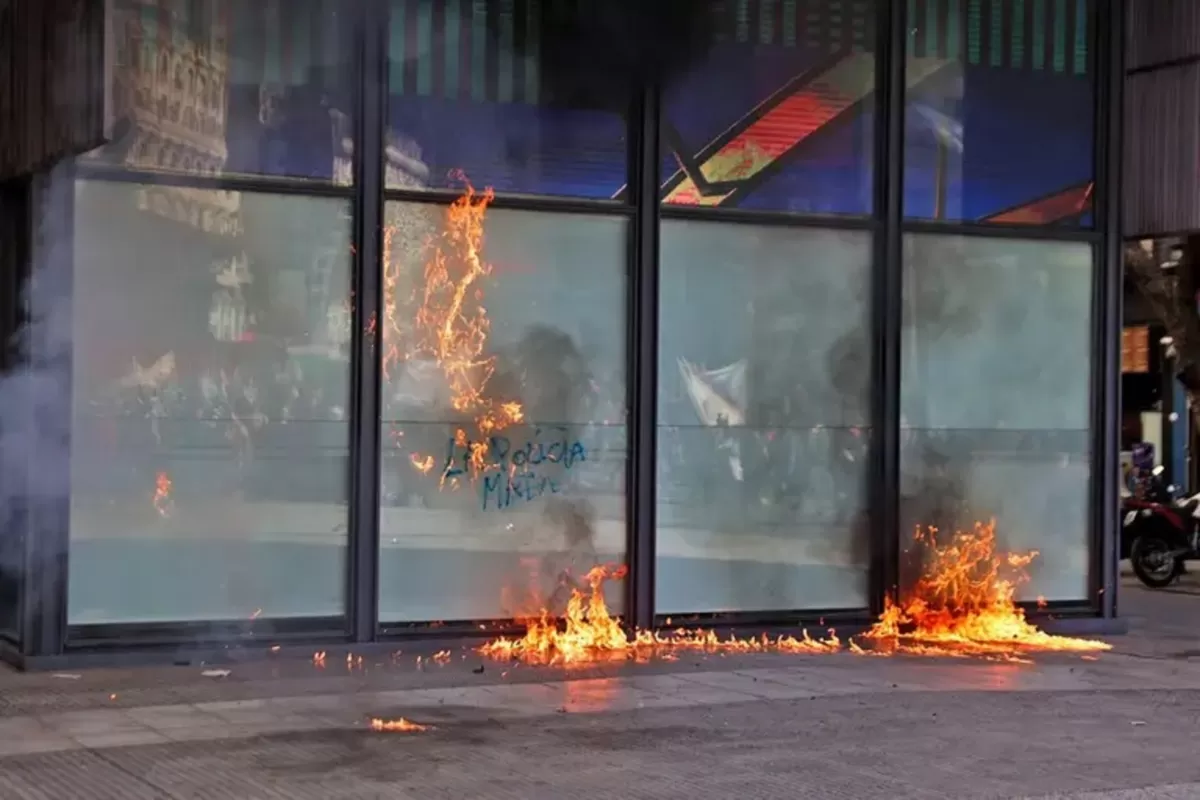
{"x": 1157, "y": 525}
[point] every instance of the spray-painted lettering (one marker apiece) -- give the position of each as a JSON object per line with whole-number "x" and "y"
{"x": 517, "y": 472}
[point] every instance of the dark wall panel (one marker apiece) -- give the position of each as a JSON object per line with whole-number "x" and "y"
{"x": 1159, "y": 31}
{"x": 1162, "y": 162}
{"x": 1162, "y": 118}
{"x": 52, "y": 65}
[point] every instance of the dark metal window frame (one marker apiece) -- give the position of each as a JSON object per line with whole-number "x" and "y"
{"x": 48, "y": 636}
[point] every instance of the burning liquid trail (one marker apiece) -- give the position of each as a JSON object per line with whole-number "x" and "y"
{"x": 962, "y": 606}
{"x": 590, "y": 633}
{"x": 401, "y": 724}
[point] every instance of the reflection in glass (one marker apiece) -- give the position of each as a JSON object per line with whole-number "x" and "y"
{"x": 1000, "y": 112}
{"x": 764, "y": 379}
{"x": 469, "y": 92}
{"x": 777, "y": 116}
{"x": 994, "y": 398}
{"x": 258, "y": 87}
{"x": 503, "y": 409}
{"x": 209, "y": 394}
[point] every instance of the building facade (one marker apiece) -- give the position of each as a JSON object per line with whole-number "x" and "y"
{"x": 363, "y": 325}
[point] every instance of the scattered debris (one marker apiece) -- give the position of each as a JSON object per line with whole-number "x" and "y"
{"x": 215, "y": 673}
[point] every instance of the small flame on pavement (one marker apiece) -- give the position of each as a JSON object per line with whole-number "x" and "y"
{"x": 399, "y": 724}
{"x": 318, "y": 659}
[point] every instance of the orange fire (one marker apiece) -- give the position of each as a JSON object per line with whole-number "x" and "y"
{"x": 590, "y": 633}
{"x": 162, "y": 494}
{"x": 963, "y": 604}
{"x": 401, "y": 724}
{"x": 451, "y": 324}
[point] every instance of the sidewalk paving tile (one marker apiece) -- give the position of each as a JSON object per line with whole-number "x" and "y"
{"x": 94, "y": 723}
{"x": 749, "y": 683}
{"x": 19, "y": 735}
{"x": 167, "y": 718}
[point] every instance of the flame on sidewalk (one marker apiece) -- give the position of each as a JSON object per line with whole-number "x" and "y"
{"x": 590, "y": 633}
{"x": 963, "y": 605}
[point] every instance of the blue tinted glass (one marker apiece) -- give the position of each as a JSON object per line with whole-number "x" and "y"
{"x": 468, "y": 95}
{"x": 776, "y": 116}
{"x": 1000, "y": 117}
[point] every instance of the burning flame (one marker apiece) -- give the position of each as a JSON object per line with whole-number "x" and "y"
{"x": 400, "y": 724}
{"x": 591, "y": 633}
{"x": 451, "y": 324}
{"x": 162, "y": 494}
{"x": 962, "y": 606}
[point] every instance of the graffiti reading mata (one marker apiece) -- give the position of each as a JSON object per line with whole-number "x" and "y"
{"x": 519, "y": 473}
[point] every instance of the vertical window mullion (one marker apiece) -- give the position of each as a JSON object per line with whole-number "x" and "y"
{"x": 371, "y": 86}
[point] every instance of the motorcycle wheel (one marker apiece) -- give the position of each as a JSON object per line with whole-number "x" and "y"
{"x": 1152, "y": 562}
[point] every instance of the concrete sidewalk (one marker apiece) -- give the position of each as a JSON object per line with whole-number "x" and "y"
{"x": 768, "y": 726}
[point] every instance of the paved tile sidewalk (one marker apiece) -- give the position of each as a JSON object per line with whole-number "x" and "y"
{"x": 763, "y": 726}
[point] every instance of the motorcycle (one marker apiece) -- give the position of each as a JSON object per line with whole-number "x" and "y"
{"x": 1164, "y": 531}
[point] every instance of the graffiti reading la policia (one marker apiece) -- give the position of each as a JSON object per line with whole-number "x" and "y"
{"x": 519, "y": 473}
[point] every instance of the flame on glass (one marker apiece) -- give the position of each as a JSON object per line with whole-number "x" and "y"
{"x": 451, "y": 323}
{"x": 963, "y": 604}
{"x": 400, "y": 724}
{"x": 162, "y": 494}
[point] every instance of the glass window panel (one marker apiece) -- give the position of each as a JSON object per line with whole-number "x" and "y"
{"x": 763, "y": 410}
{"x": 531, "y": 364}
{"x": 209, "y": 393}
{"x": 1000, "y": 117}
{"x": 261, "y": 87}
{"x": 777, "y": 115}
{"x": 994, "y": 397}
{"x": 471, "y": 92}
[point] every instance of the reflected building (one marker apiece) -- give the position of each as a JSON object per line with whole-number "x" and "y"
{"x": 170, "y": 97}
